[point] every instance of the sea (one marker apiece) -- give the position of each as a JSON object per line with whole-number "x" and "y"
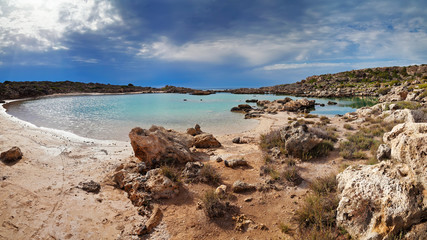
{"x": 111, "y": 117}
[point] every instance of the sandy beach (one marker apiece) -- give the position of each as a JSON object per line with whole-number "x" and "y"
{"x": 41, "y": 198}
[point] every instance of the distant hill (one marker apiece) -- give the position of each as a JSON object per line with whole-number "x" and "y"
{"x": 363, "y": 82}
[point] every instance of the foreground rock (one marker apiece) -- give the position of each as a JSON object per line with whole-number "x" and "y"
{"x": 239, "y": 187}
{"x": 236, "y": 163}
{"x": 157, "y": 145}
{"x": 242, "y": 108}
{"x": 12, "y": 155}
{"x": 381, "y": 200}
{"x": 159, "y": 185}
{"x": 206, "y": 140}
{"x": 377, "y": 201}
{"x": 152, "y": 222}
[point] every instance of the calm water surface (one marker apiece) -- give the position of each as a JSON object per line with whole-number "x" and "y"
{"x": 113, "y": 116}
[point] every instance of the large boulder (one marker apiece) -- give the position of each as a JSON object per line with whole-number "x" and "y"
{"x": 405, "y": 115}
{"x": 408, "y": 143}
{"x": 298, "y": 105}
{"x": 157, "y": 144}
{"x": 381, "y": 200}
{"x": 206, "y": 140}
{"x": 12, "y": 155}
{"x": 378, "y": 201}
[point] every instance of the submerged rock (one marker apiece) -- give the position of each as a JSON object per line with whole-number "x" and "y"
{"x": 12, "y": 155}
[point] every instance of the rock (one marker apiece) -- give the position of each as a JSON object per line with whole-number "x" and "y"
{"x": 417, "y": 232}
{"x": 159, "y": 185}
{"x": 206, "y": 141}
{"x": 153, "y": 221}
{"x": 298, "y": 105}
{"x": 12, "y": 155}
{"x": 236, "y": 163}
{"x": 332, "y": 103}
{"x": 2, "y": 101}
{"x": 283, "y": 101}
{"x": 192, "y": 170}
{"x": 408, "y": 143}
{"x": 198, "y": 129}
{"x": 239, "y": 187}
{"x": 252, "y": 100}
{"x": 236, "y": 140}
{"x": 249, "y": 199}
{"x": 192, "y": 131}
{"x": 158, "y": 145}
{"x": 90, "y": 186}
{"x": 263, "y": 102}
{"x": 383, "y": 152}
{"x": 221, "y": 190}
{"x": 254, "y": 114}
{"x": 241, "y": 108}
{"x": 378, "y": 201}
{"x": 218, "y": 159}
{"x": 405, "y": 115}
{"x": 298, "y": 140}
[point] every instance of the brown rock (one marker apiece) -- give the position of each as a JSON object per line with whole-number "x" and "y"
{"x": 206, "y": 141}
{"x": 159, "y": 185}
{"x": 158, "y": 144}
{"x": 153, "y": 221}
{"x": 12, "y": 155}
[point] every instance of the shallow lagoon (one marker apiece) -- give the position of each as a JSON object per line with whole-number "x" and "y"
{"x": 113, "y": 116}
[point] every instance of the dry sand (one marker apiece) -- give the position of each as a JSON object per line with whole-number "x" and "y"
{"x": 40, "y": 198}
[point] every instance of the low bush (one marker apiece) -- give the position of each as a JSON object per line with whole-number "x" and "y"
{"x": 348, "y": 126}
{"x": 292, "y": 176}
{"x": 213, "y": 205}
{"x": 171, "y": 173}
{"x": 208, "y": 174}
{"x": 324, "y": 185}
{"x": 271, "y": 140}
{"x": 320, "y": 150}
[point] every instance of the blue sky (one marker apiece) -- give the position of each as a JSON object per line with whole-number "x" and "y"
{"x": 205, "y": 43}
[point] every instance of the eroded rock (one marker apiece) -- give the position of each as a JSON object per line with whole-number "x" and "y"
{"x": 236, "y": 163}
{"x": 12, "y": 155}
{"x": 239, "y": 187}
{"x": 206, "y": 140}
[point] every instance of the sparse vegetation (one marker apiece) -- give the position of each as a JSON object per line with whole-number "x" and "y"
{"x": 271, "y": 140}
{"x": 171, "y": 173}
{"x": 292, "y": 176}
{"x": 320, "y": 150}
{"x": 208, "y": 174}
{"x": 348, "y": 126}
{"x": 213, "y": 205}
{"x": 284, "y": 228}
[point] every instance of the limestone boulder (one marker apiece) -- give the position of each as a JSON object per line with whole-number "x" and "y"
{"x": 383, "y": 152}
{"x": 298, "y": 140}
{"x": 378, "y": 201}
{"x": 156, "y": 145}
{"x": 405, "y": 115}
{"x": 239, "y": 187}
{"x": 206, "y": 140}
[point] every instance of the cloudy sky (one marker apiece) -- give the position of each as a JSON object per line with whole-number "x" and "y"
{"x": 205, "y": 43}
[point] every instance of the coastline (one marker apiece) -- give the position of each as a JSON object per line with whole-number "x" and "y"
{"x": 40, "y": 192}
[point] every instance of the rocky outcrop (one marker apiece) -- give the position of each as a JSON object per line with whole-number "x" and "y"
{"x": 206, "y": 140}
{"x": 288, "y": 104}
{"x": 192, "y": 170}
{"x": 383, "y": 152}
{"x": 156, "y": 145}
{"x": 405, "y": 115}
{"x": 377, "y": 201}
{"x": 381, "y": 200}
{"x": 195, "y": 131}
{"x": 12, "y": 155}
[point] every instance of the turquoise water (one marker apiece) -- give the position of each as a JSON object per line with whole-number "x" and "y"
{"x": 113, "y": 116}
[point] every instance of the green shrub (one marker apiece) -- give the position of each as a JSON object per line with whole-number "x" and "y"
{"x": 271, "y": 140}
{"x": 324, "y": 185}
{"x": 348, "y": 126}
{"x": 408, "y": 105}
{"x": 384, "y": 91}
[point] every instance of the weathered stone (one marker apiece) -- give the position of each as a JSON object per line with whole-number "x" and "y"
{"x": 192, "y": 170}
{"x": 90, "y": 186}
{"x": 332, "y": 103}
{"x": 218, "y": 159}
{"x": 405, "y": 115}
{"x": 236, "y": 163}
{"x": 153, "y": 221}
{"x": 298, "y": 140}
{"x": 383, "y": 152}
{"x": 236, "y": 140}
{"x": 192, "y": 131}
{"x": 239, "y": 186}
{"x": 206, "y": 141}
{"x": 221, "y": 190}
{"x": 252, "y": 100}
{"x": 157, "y": 145}
{"x": 379, "y": 200}
{"x": 159, "y": 185}
{"x": 12, "y": 155}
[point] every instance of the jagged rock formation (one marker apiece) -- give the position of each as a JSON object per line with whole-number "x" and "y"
{"x": 381, "y": 200}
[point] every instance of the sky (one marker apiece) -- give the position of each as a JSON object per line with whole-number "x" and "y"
{"x": 206, "y": 43}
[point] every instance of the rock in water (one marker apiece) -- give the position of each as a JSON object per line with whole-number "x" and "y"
{"x": 158, "y": 144}
{"x": 12, "y": 155}
{"x": 206, "y": 140}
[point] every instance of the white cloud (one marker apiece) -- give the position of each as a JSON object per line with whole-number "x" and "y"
{"x": 85, "y": 60}
{"x": 250, "y": 50}
{"x": 40, "y": 25}
{"x": 301, "y": 65}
